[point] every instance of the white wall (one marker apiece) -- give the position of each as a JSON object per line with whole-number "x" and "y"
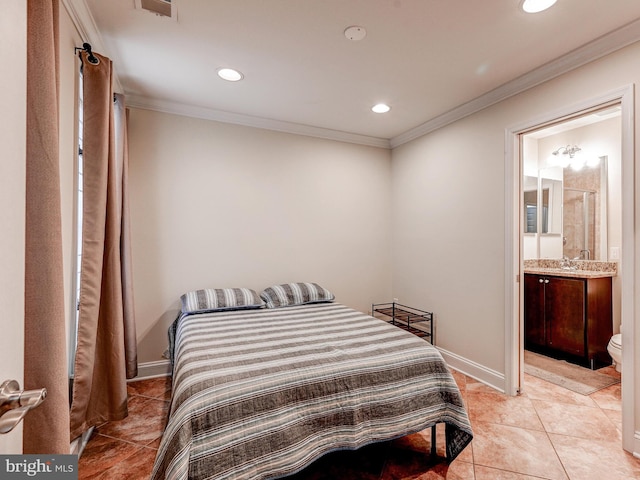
{"x": 448, "y": 209}
{"x": 448, "y": 243}
{"x": 13, "y": 54}
{"x": 218, "y": 205}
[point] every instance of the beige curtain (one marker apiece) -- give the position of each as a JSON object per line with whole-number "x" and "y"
{"x": 130, "y": 340}
{"x": 106, "y": 352}
{"x": 46, "y": 428}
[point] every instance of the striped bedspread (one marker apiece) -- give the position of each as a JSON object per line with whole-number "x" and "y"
{"x": 260, "y": 394}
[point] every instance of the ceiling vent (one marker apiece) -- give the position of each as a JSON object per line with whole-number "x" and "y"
{"x": 162, "y": 8}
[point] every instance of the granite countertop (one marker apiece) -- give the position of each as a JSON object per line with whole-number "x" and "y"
{"x": 583, "y": 268}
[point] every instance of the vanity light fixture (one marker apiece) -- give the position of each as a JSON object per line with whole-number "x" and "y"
{"x": 230, "y": 74}
{"x": 571, "y": 156}
{"x": 568, "y": 150}
{"x": 535, "y": 6}
{"x": 381, "y": 108}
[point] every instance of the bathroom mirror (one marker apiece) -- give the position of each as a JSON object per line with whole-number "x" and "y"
{"x": 530, "y": 192}
{"x": 551, "y": 201}
{"x": 565, "y": 213}
{"x": 542, "y": 200}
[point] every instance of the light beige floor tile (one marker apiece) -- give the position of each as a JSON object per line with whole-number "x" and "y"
{"x": 159, "y": 387}
{"x": 479, "y": 387}
{"x": 609, "y": 398}
{"x": 501, "y": 450}
{"x": 136, "y": 467}
{"x": 611, "y": 370}
{"x": 145, "y": 423}
{"x": 537, "y": 389}
{"x": 595, "y": 459}
{"x": 494, "y": 407}
{"x": 517, "y": 450}
{"x": 487, "y": 473}
{"x": 576, "y": 421}
{"x": 615, "y": 416}
{"x": 102, "y": 453}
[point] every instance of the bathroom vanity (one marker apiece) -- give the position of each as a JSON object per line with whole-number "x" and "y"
{"x": 568, "y": 313}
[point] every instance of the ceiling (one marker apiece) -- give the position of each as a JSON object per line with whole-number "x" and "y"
{"x": 430, "y": 60}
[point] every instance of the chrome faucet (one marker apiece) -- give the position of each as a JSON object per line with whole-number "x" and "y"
{"x": 587, "y": 254}
{"x": 566, "y": 262}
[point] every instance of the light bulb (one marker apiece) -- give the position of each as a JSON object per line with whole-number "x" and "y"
{"x": 381, "y": 108}
{"x": 535, "y": 6}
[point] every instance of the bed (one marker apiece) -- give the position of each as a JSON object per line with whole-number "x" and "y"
{"x": 261, "y": 392}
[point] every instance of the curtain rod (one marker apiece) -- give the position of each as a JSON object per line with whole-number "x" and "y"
{"x": 93, "y": 60}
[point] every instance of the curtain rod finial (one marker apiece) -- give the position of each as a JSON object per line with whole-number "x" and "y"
{"x": 91, "y": 58}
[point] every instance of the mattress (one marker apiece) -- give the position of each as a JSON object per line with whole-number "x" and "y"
{"x": 262, "y": 393}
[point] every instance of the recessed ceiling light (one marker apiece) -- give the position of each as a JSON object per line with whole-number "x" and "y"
{"x": 230, "y": 74}
{"x": 535, "y": 6}
{"x": 381, "y": 108}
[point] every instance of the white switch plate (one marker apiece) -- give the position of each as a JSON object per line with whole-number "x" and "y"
{"x": 614, "y": 253}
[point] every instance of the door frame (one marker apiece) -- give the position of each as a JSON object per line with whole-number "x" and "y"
{"x": 514, "y": 312}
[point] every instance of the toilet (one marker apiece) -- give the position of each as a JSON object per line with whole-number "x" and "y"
{"x": 615, "y": 350}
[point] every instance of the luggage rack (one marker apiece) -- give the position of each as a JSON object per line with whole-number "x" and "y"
{"x": 416, "y": 321}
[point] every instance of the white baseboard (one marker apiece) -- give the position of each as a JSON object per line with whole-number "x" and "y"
{"x": 474, "y": 370}
{"x": 636, "y": 444}
{"x": 160, "y": 368}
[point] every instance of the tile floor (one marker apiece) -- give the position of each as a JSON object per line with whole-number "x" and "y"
{"x": 548, "y": 432}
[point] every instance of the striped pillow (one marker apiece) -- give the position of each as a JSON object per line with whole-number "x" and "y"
{"x": 288, "y": 294}
{"x": 217, "y": 299}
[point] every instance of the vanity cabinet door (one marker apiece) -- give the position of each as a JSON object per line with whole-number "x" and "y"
{"x": 565, "y": 314}
{"x": 568, "y": 318}
{"x": 534, "y": 318}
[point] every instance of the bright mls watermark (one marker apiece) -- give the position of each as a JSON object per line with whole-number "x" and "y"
{"x": 50, "y": 467}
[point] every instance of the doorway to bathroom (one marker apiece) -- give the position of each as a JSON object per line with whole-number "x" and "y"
{"x": 560, "y": 214}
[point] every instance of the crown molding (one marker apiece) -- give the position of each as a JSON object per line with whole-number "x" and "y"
{"x": 88, "y": 30}
{"x": 606, "y": 44}
{"x": 147, "y": 103}
{"x": 594, "y": 50}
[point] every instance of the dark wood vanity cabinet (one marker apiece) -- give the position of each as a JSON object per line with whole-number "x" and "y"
{"x": 568, "y": 318}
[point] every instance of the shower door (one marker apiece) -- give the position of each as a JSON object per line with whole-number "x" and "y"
{"x": 579, "y": 224}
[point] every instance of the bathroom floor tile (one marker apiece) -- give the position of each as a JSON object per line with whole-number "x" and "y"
{"x": 611, "y": 370}
{"x": 537, "y": 389}
{"x": 609, "y": 398}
